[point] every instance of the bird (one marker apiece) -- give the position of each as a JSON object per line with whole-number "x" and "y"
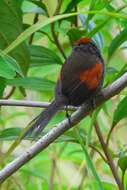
{"x": 80, "y": 79}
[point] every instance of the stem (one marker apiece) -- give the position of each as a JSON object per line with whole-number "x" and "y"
{"x": 76, "y": 17}
{"x": 83, "y": 178}
{"x": 10, "y": 93}
{"x": 85, "y": 172}
{"x": 51, "y": 185}
{"x": 59, "y": 178}
{"x": 109, "y": 135}
{"x": 55, "y": 36}
{"x": 108, "y": 156}
{"x": 34, "y": 21}
{"x": 123, "y": 174}
{"x": 57, "y": 41}
{"x": 101, "y": 155}
{"x": 46, "y": 34}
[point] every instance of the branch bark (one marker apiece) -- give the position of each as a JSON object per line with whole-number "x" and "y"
{"x": 54, "y": 133}
{"x": 29, "y": 103}
{"x": 108, "y": 156}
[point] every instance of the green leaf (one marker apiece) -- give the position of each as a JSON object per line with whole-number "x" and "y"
{"x": 34, "y": 172}
{"x": 98, "y": 28}
{"x": 120, "y": 112}
{"x": 69, "y": 136}
{"x": 96, "y": 5}
{"x": 91, "y": 7}
{"x": 35, "y": 27}
{"x": 14, "y": 65}
{"x": 107, "y": 185}
{"x": 10, "y": 28}
{"x": 29, "y": 7}
{"x": 72, "y": 5}
{"x": 104, "y": 23}
{"x": 41, "y": 5}
{"x": 9, "y": 63}
{"x": 111, "y": 73}
{"x": 41, "y": 56}
{"x": 32, "y": 83}
{"x": 10, "y": 133}
{"x": 6, "y": 70}
{"x": 75, "y": 34}
{"x": 101, "y": 4}
{"x": 122, "y": 162}
{"x": 117, "y": 41}
{"x": 2, "y": 86}
{"x": 88, "y": 160}
{"x": 9, "y": 67}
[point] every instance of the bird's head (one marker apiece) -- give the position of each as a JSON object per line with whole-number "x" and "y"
{"x": 85, "y": 40}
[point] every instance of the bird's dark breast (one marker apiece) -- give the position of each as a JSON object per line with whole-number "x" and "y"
{"x": 81, "y": 94}
{"x": 81, "y": 77}
{"x": 82, "y": 85}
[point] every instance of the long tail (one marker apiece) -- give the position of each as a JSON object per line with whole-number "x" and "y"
{"x": 37, "y": 125}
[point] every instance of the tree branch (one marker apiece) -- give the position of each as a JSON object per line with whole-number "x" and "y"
{"x": 54, "y": 133}
{"x": 29, "y": 103}
{"x": 108, "y": 156}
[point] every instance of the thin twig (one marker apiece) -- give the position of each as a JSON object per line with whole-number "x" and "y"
{"x": 55, "y": 36}
{"x": 17, "y": 183}
{"x": 58, "y": 7}
{"x": 85, "y": 172}
{"x": 51, "y": 184}
{"x": 10, "y": 93}
{"x": 109, "y": 135}
{"x": 28, "y": 103}
{"x": 56, "y": 132}
{"x": 34, "y": 21}
{"x": 96, "y": 150}
{"x": 59, "y": 177}
{"x": 46, "y": 34}
{"x": 108, "y": 156}
{"x": 57, "y": 41}
{"x": 76, "y": 17}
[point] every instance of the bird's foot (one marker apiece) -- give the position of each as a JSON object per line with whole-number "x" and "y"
{"x": 68, "y": 116}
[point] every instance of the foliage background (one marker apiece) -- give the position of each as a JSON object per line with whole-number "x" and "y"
{"x": 29, "y": 71}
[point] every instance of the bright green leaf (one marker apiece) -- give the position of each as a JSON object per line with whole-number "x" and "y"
{"x": 108, "y": 185}
{"x": 11, "y": 63}
{"x": 41, "y": 56}
{"x": 75, "y": 34}
{"x": 2, "y": 86}
{"x": 10, "y": 133}
{"x": 32, "y": 83}
{"x": 34, "y": 7}
{"x": 6, "y": 70}
{"x": 23, "y": 36}
{"x": 10, "y": 28}
{"x": 120, "y": 112}
{"x": 88, "y": 160}
{"x": 72, "y": 5}
{"x": 117, "y": 41}
{"x": 122, "y": 162}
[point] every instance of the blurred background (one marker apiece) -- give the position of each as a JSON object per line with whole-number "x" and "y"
{"x": 39, "y": 58}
